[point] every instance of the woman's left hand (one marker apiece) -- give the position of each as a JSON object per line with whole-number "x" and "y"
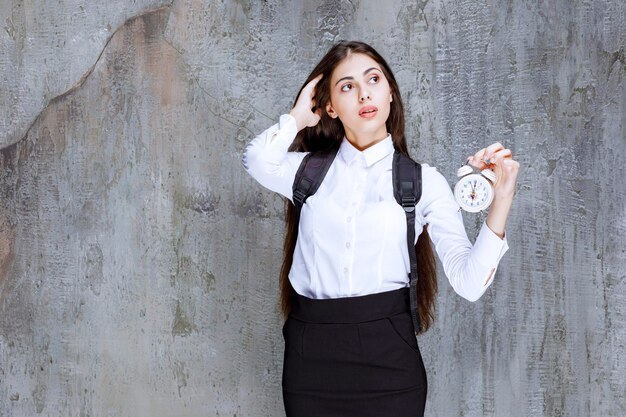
{"x": 500, "y": 160}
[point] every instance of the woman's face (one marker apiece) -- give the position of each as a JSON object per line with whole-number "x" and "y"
{"x": 357, "y": 85}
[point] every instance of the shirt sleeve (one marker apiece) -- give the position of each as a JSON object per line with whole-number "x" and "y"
{"x": 267, "y": 159}
{"x": 470, "y": 268}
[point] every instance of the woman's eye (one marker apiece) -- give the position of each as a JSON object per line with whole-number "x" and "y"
{"x": 343, "y": 87}
{"x": 374, "y": 77}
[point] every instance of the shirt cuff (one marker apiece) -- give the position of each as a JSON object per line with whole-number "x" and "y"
{"x": 488, "y": 247}
{"x": 286, "y": 119}
{"x": 287, "y": 129}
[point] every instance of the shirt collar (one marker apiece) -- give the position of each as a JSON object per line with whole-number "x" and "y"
{"x": 370, "y": 155}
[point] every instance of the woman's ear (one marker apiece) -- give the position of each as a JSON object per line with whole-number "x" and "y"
{"x": 331, "y": 111}
{"x": 390, "y": 98}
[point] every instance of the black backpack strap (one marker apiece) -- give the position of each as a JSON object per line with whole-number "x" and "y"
{"x": 407, "y": 189}
{"x": 310, "y": 175}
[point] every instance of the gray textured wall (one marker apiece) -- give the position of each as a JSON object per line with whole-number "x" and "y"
{"x": 139, "y": 263}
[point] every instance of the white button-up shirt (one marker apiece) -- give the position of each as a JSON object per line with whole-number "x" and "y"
{"x": 352, "y": 232}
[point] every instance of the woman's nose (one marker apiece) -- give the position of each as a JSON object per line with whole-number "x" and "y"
{"x": 364, "y": 96}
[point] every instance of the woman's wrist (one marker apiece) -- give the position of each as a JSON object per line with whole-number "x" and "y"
{"x": 299, "y": 123}
{"x": 502, "y": 199}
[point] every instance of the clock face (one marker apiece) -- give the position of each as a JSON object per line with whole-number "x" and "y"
{"x": 473, "y": 193}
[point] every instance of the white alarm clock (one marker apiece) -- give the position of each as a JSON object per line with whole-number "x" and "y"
{"x": 474, "y": 192}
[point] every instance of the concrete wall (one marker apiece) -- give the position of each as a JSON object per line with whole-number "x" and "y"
{"x": 139, "y": 263}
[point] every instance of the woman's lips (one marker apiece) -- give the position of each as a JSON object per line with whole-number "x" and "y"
{"x": 368, "y": 112}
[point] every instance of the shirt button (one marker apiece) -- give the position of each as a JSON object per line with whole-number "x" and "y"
{"x": 348, "y": 219}
{"x": 348, "y": 245}
{"x": 345, "y": 269}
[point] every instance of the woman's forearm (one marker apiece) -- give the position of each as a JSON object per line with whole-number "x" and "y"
{"x": 498, "y": 214}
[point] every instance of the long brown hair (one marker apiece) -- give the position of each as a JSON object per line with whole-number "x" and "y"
{"x": 328, "y": 133}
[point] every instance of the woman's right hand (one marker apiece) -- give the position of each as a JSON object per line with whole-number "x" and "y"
{"x": 302, "y": 111}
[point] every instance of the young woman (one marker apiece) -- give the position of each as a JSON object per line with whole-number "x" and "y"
{"x": 350, "y": 345}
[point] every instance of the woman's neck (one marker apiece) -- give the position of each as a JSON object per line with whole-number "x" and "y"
{"x": 364, "y": 141}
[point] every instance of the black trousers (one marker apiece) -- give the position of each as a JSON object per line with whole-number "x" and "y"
{"x": 353, "y": 356}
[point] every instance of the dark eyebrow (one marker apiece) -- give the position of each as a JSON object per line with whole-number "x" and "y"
{"x": 352, "y": 78}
